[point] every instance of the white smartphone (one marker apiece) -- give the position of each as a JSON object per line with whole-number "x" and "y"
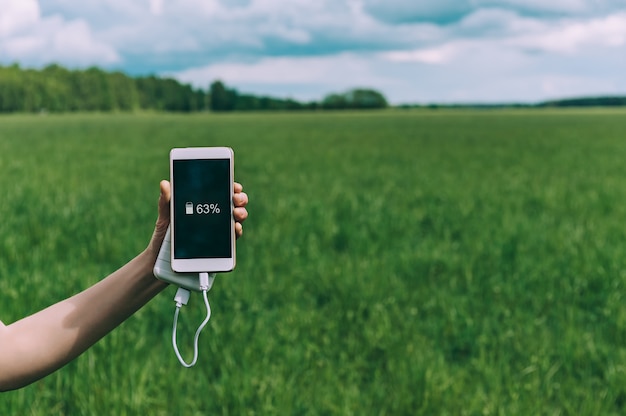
{"x": 201, "y": 209}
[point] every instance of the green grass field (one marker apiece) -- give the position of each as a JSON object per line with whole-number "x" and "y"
{"x": 394, "y": 263}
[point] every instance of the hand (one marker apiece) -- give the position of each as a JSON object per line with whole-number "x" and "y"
{"x": 240, "y": 200}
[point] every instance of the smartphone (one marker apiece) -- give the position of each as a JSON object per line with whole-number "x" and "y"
{"x": 201, "y": 209}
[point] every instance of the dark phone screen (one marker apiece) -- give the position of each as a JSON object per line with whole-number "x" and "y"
{"x": 202, "y": 210}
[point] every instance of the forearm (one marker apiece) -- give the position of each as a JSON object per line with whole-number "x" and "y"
{"x": 41, "y": 343}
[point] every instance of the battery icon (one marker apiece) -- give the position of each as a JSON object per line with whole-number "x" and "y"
{"x": 189, "y": 208}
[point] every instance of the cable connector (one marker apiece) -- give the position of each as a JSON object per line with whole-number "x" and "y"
{"x": 182, "y": 297}
{"x": 205, "y": 281}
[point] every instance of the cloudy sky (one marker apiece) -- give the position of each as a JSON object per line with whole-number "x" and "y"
{"x": 413, "y": 51}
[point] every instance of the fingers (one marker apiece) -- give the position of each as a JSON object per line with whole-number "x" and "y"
{"x": 240, "y": 213}
{"x": 240, "y": 199}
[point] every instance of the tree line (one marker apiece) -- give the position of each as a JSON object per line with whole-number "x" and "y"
{"x": 223, "y": 98}
{"x": 58, "y": 89}
{"x": 607, "y": 101}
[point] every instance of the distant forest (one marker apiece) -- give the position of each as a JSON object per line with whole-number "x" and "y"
{"x": 57, "y": 89}
{"x": 614, "y": 101}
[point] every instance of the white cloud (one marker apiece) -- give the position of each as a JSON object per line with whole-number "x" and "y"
{"x": 17, "y": 15}
{"x": 156, "y": 7}
{"x": 205, "y": 31}
{"x": 28, "y": 37}
{"x": 303, "y": 78}
{"x": 436, "y": 55}
{"x": 570, "y": 37}
{"x": 332, "y": 70}
{"x": 565, "y": 37}
{"x": 495, "y": 72}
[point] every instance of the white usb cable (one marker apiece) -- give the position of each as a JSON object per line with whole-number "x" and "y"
{"x": 181, "y": 298}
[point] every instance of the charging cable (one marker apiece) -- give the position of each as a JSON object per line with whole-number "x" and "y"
{"x": 181, "y": 298}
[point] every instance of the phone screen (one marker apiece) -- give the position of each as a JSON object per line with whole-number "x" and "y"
{"x": 202, "y": 208}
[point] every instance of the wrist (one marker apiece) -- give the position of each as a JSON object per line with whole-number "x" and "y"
{"x": 146, "y": 261}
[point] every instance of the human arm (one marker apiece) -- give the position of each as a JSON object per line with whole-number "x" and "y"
{"x": 35, "y": 346}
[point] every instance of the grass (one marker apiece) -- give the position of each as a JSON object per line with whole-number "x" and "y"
{"x": 418, "y": 262}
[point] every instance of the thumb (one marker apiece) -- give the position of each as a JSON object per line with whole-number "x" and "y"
{"x": 163, "y": 220}
{"x": 164, "y": 204}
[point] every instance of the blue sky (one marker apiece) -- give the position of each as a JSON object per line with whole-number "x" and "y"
{"x": 414, "y": 51}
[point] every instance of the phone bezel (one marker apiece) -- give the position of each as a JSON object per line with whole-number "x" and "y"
{"x": 202, "y": 264}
